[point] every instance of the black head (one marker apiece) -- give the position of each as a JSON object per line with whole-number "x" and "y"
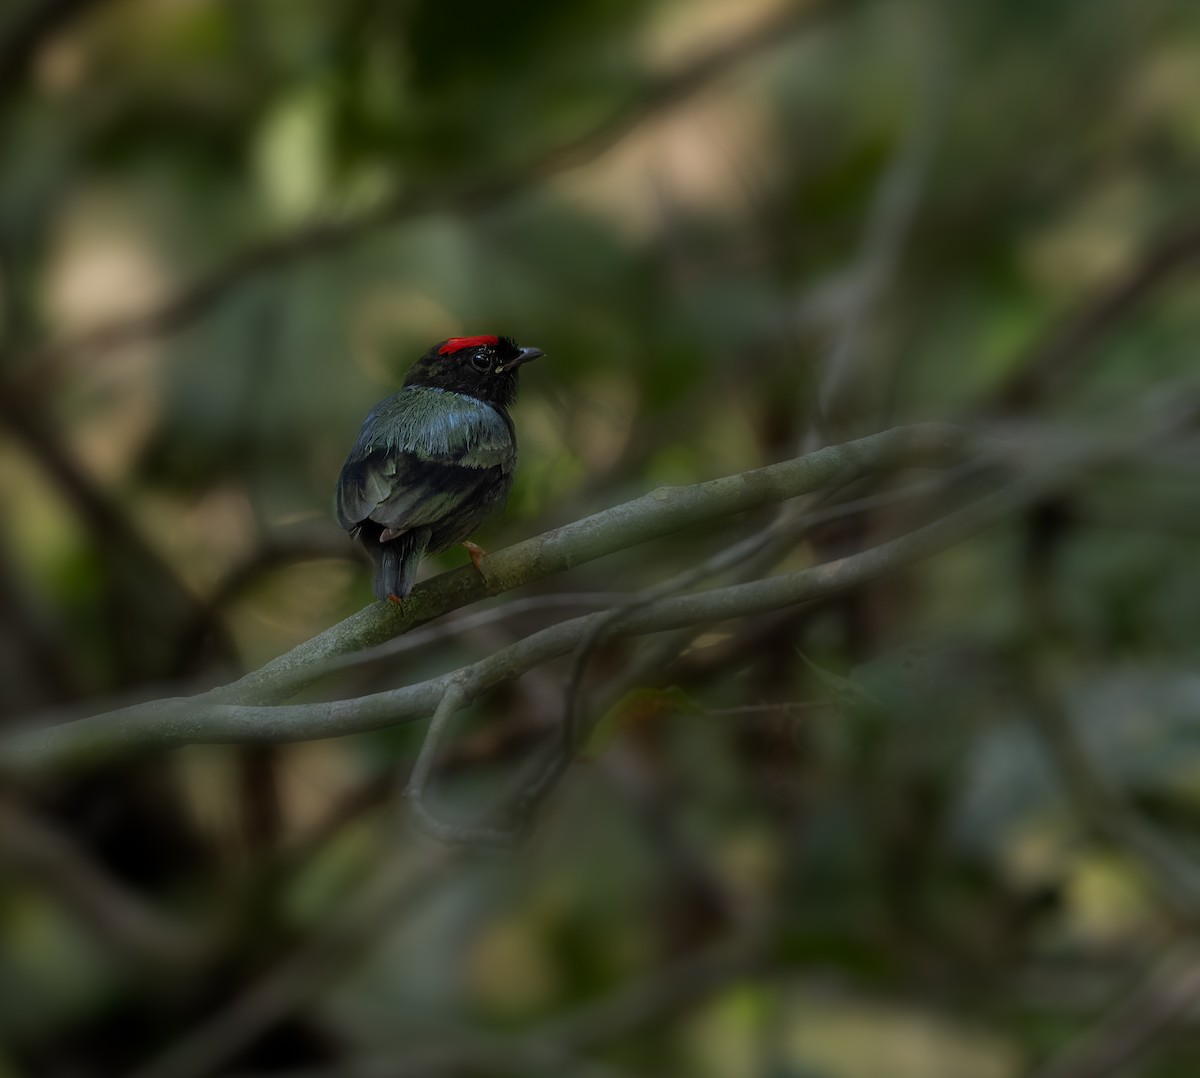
{"x": 482, "y": 367}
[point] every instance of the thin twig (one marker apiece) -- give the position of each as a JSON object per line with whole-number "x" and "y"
{"x": 448, "y": 630}
{"x": 540, "y": 786}
{"x": 786, "y": 707}
{"x": 456, "y": 697}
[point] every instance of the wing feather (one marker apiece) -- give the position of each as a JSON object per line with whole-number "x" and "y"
{"x": 441, "y": 427}
{"x": 422, "y": 454}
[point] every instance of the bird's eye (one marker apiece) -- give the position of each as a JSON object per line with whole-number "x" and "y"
{"x": 481, "y": 361}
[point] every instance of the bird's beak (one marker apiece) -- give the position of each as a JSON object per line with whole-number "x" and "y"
{"x": 526, "y": 354}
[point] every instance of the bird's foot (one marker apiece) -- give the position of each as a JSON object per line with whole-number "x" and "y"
{"x": 397, "y": 600}
{"x": 477, "y": 555}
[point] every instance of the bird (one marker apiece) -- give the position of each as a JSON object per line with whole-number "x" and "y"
{"x": 433, "y": 461}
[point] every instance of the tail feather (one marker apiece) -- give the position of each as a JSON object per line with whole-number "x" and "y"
{"x": 397, "y": 561}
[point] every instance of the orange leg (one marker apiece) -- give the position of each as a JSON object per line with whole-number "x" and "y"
{"x": 396, "y": 599}
{"x": 477, "y": 555}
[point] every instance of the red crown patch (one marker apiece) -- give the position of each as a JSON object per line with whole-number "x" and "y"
{"x": 457, "y": 344}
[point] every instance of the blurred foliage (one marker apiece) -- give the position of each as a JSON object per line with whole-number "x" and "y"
{"x": 912, "y": 830}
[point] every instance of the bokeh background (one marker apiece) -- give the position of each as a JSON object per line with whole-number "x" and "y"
{"x": 942, "y": 825}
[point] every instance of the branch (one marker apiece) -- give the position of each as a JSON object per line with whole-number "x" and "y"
{"x": 653, "y": 999}
{"x": 1055, "y": 362}
{"x": 652, "y": 516}
{"x": 393, "y": 890}
{"x": 212, "y": 716}
{"x": 1170, "y": 866}
{"x": 1135, "y": 1026}
{"x": 446, "y": 833}
{"x": 663, "y": 511}
{"x": 469, "y": 195}
{"x": 118, "y": 917}
{"x": 37, "y": 26}
{"x": 603, "y": 627}
{"x": 1101, "y": 802}
{"x": 337, "y": 944}
{"x": 112, "y": 530}
{"x": 894, "y": 206}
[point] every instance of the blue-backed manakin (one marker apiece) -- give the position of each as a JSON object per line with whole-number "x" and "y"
{"x": 434, "y": 460}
